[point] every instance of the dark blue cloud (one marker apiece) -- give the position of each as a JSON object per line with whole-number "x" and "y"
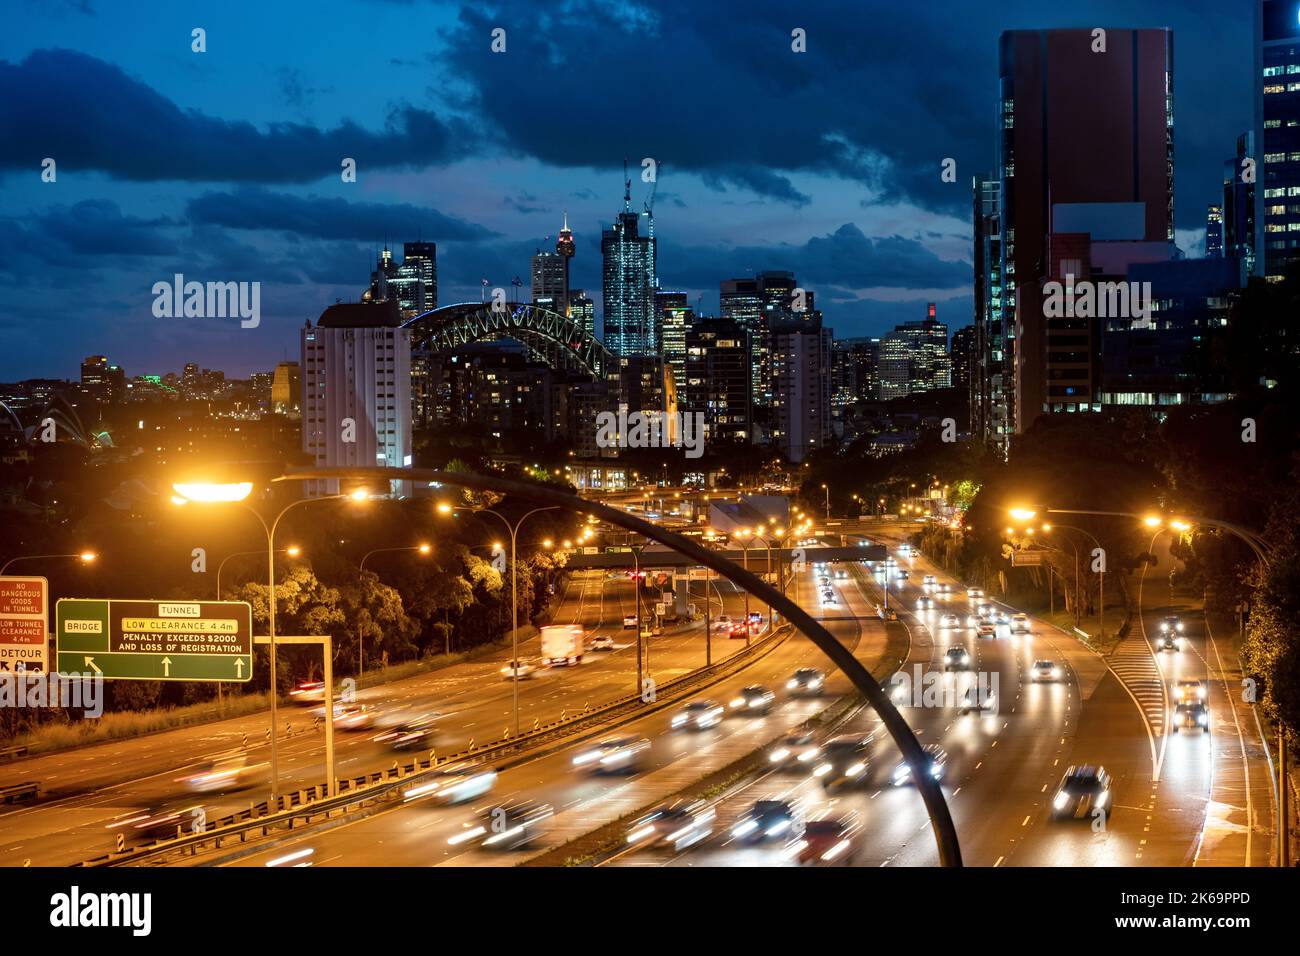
{"x": 90, "y": 115}
{"x": 323, "y": 217}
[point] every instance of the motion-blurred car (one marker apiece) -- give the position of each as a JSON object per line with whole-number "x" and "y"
{"x": 905, "y": 550}
{"x": 977, "y": 700}
{"x": 903, "y": 575}
{"x": 680, "y": 824}
{"x": 602, "y": 643}
{"x": 925, "y": 603}
{"x": 1169, "y": 641}
{"x": 1045, "y": 670}
{"x": 806, "y": 682}
{"x": 1171, "y": 624}
{"x": 1190, "y": 691}
{"x": 943, "y": 589}
{"x": 1020, "y": 624}
{"x": 518, "y": 670}
{"x": 159, "y": 823}
{"x": 754, "y": 699}
{"x": 455, "y": 784}
{"x": 629, "y": 622}
{"x": 984, "y": 611}
{"x": 974, "y": 592}
{"x": 986, "y": 629}
{"x": 1081, "y": 790}
{"x": 843, "y": 760}
{"x": 226, "y": 774}
{"x": 738, "y": 629}
{"x": 936, "y": 763}
{"x": 928, "y": 582}
{"x": 508, "y": 827}
{"x": 349, "y": 716}
{"x": 614, "y": 755}
{"x": 767, "y": 820}
{"x": 414, "y": 733}
{"x": 699, "y": 715}
{"x": 956, "y": 659}
{"x": 308, "y": 692}
{"x": 722, "y": 622}
{"x": 1192, "y": 715}
{"x": 823, "y": 843}
{"x": 795, "y": 750}
{"x": 949, "y": 621}
{"x": 886, "y": 613}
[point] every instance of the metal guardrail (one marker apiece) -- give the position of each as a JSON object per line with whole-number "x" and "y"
{"x": 310, "y": 802}
{"x": 12, "y": 753}
{"x": 19, "y": 791}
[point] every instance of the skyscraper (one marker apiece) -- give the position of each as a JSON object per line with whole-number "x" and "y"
{"x": 993, "y": 397}
{"x": 1086, "y": 149}
{"x": 717, "y": 373}
{"x": 1277, "y": 130}
{"x": 629, "y": 279}
{"x": 1213, "y": 232}
{"x": 961, "y": 356}
{"x": 551, "y": 273}
{"x": 582, "y": 310}
{"x": 801, "y": 386}
{"x": 356, "y": 405}
{"x": 1241, "y": 219}
{"x": 286, "y": 389}
{"x": 413, "y": 285}
{"x": 914, "y": 357}
{"x": 674, "y": 317}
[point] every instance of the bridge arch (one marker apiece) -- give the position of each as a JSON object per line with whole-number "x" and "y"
{"x": 557, "y": 339}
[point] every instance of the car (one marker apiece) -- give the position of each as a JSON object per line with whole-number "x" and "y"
{"x": 956, "y": 659}
{"x": 943, "y": 588}
{"x": 794, "y": 750}
{"x": 1169, "y": 641}
{"x": 738, "y": 629}
{"x": 1082, "y": 790}
{"x": 629, "y": 622}
{"x": 508, "y": 827}
{"x": 517, "y": 670}
{"x": 415, "y": 733}
{"x": 602, "y": 643}
{"x": 974, "y": 592}
{"x": 904, "y": 550}
{"x": 1001, "y": 617}
{"x": 754, "y": 699}
{"x": 986, "y": 629}
{"x": 767, "y": 820}
{"x": 806, "y": 682}
{"x": 828, "y": 597}
{"x": 1171, "y": 624}
{"x": 928, "y": 582}
{"x": 936, "y": 762}
{"x": 457, "y": 784}
{"x": 825, "y": 841}
{"x": 977, "y": 700}
{"x": 1192, "y": 715}
{"x": 925, "y": 603}
{"x": 1020, "y": 623}
{"x": 722, "y": 622}
{"x": 756, "y": 617}
{"x": 843, "y": 760}
{"x": 699, "y": 715}
{"x": 158, "y": 823}
{"x": 350, "y": 716}
{"x": 308, "y": 692}
{"x": 949, "y": 621}
{"x": 903, "y": 575}
{"x": 1045, "y": 670}
{"x": 680, "y": 824}
{"x": 886, "y": 613}
{"x": 224, "y": 774}
{"x": 985, "y": 611}
{"x": 613, "y": 755}
{"x": 1190, "y": 691}
{"x": 841, "y": 574}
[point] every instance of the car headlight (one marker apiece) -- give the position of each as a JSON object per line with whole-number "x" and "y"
{"x": 791, "y": 684}
{"x": 1164, "y": 626}
{"x": 1056, "y": 672}
{"x": 821, "y": 770}
{"x": 1203, "y": 719}
{"x": 738, "y": 702}
{"x": 1103, "y": 798}
{"x": 854, "y": 769}
{"x": 779, "y": 755}
{"x": 1180, "y": 627}
{"x": 1062, "y": 798}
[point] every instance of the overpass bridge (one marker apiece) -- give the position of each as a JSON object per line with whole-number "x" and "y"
{"x": 623, "y": 558}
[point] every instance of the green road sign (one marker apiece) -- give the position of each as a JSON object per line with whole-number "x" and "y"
{"x": 155, "y": 640}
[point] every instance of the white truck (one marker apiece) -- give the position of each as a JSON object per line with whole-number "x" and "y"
{"x": 562, "y": 644}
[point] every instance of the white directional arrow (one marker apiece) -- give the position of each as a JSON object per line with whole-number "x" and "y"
{"x": 90, "y": 662}
{"x": 239, "y": 666}
{"x": 167, "y": 666}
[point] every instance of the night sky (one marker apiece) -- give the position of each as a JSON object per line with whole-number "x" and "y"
{"x": 224, "y": 165}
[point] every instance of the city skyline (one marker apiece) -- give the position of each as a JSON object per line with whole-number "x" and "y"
{"x": 865, "y": 219}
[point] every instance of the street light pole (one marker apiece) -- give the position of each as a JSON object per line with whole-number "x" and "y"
{"x": 84, "y": 556}
{"x": 361, "y": 569}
